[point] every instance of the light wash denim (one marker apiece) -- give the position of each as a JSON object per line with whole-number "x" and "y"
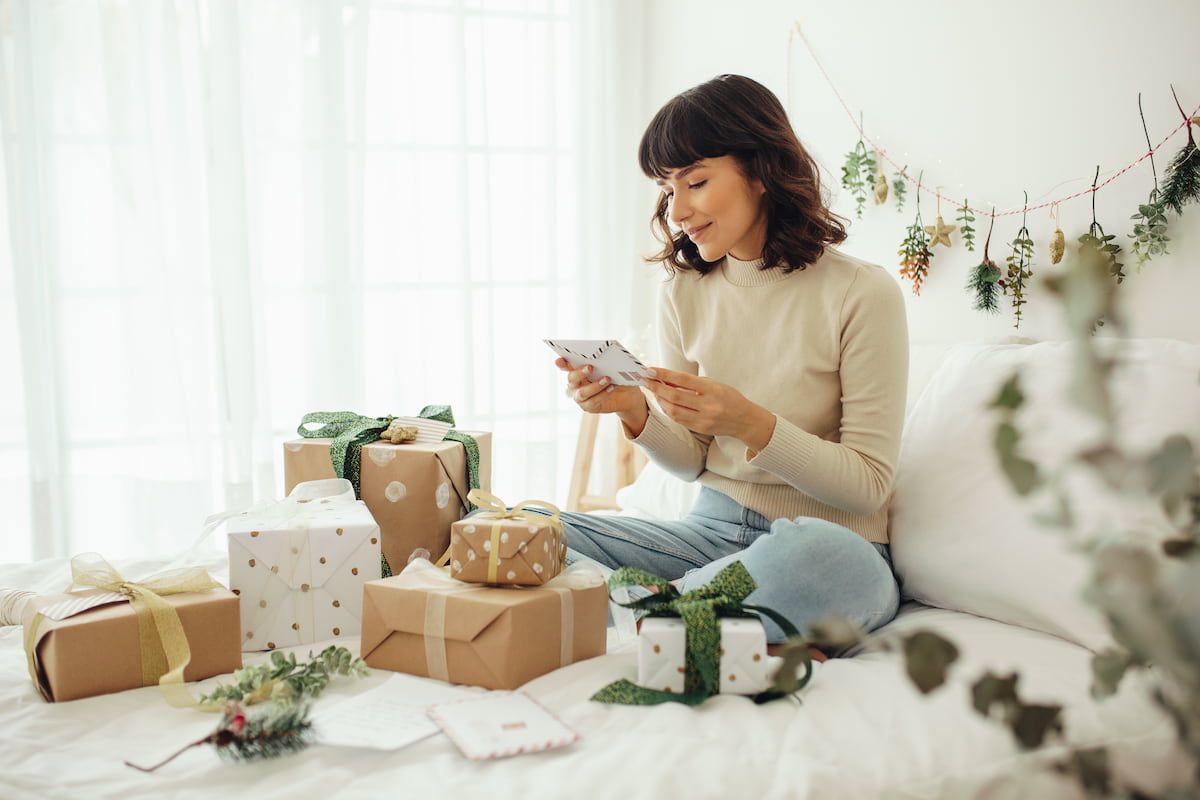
{"x": 807, "y": 569}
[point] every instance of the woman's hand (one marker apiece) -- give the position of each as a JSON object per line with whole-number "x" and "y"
{"x": 603, "y": 397}
{"x": 710, "y": 407}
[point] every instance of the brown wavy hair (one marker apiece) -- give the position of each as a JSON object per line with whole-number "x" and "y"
{"x": 732, "y": 115}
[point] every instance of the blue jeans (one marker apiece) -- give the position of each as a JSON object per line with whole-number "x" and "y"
{"x": 807, "y": 569}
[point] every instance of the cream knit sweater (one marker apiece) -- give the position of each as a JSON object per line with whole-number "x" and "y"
{"x": 826, "y": 350}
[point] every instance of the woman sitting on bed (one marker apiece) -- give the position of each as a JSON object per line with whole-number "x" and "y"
{"x": 782, "y": 383}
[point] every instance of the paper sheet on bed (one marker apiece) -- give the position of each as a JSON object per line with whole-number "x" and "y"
{"x": 387, "y": 717}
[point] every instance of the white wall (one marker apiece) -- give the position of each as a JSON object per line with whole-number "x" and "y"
{"x": 991, "y": 100}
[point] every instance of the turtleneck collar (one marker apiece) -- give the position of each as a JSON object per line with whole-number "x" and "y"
{"x": 750, "y": 273}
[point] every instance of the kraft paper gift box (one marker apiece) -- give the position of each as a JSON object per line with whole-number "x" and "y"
{"x": 745, "y": 666}
{"x": 508, "y": 546}
{"x": 423, "y": 622}
{"x": 299, "y": 565}
{"x": 85, "y": 643}
{"x": 415, "y": 491}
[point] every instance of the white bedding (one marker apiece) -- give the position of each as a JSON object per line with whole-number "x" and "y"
{"x": 860, "y": 730}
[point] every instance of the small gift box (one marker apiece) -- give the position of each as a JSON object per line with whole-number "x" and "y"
{"x": 744, "y": 667}
{"x": 117, "y": 634}
{"x": 423, "y": 622}
{"x": 299, "y": 565}
{"x": 509, "y": 546}
{"x": 414, "y": 489}
{"x": 701, "y": 642}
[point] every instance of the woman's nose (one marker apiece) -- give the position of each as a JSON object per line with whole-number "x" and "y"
{"x": 677, "y": 209}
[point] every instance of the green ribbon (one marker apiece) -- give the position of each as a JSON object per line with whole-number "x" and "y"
{"x": 351, "y": 431}
{"x": 700, "y": 610}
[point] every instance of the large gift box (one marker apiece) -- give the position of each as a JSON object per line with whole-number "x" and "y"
{"x": 745, "y": 667}
{"x": 117, "y": 634}
{"x": 299, "y": 565}
{"x": 423, "y": 622}
{"x": 415, "y": 490}
{"x": 507, "y": 546}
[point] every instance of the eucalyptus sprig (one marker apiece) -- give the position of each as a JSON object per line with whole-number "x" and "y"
{"x": 1150, "y": 222}
{"x": 284, "y": 681}
{"x": 1105, "y": 247}
{"x": 965, "y": 227}
{"x": 1149, "y": 230}
{"x": 858, "y": 175}
{"x": 900, "y": 187}
{"x": 1020, "y": 266}
{"x": 915, "y": 252}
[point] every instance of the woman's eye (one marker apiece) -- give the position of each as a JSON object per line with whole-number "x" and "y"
{"x": 697, "y": 184}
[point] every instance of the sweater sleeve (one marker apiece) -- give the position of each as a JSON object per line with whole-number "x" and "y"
{"x": 679, "y": 451}
{"x": 854, "y": 474}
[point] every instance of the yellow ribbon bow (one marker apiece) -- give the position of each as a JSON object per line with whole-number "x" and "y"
{"x": 494, "y": 508}
{"x": 164, "y": 645}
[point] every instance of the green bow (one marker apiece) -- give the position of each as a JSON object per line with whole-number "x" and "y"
{"x": 351, "y": 431}
{"x": 700, "y": 609}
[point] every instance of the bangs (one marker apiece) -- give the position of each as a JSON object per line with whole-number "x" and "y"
{"x": 681, "y": 133}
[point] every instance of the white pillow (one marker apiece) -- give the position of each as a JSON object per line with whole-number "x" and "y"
{"x": 963, "y": 540}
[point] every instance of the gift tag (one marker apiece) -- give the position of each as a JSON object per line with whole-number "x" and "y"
{"x": 501, "y": 724}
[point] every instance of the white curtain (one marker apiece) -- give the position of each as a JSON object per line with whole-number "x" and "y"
{"x": 218, "y": 215}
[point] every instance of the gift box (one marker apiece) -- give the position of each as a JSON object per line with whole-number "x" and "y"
{"x": 414, "y": 490}
{"x": 299, "y": 565}
{"x": 97, "y": 641}
{"x": 423, "y": 622}
{"x": 745, "y": 667}
{"x": 503, "y": 545}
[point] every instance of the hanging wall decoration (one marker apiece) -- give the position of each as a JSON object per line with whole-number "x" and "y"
{"x": 984, "y": 281}
{"x": 1150, "y": 222}
{"x": 966, "y": 225}
{"x": 1182, "y": 184}
{"x": 1095, "y": 239}
{"x": 915, "y": 252}
{"x": 1020, "y": 267}
{"x": 1180, "y": 188}
{"x": 858, "y": 173}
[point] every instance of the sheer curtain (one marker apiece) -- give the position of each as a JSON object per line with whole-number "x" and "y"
{"x": 218, "y": 215}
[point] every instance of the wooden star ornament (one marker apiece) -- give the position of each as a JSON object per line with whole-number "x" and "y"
{"x": 939, "y": 232}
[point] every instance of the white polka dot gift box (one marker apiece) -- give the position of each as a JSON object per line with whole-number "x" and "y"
{"x": 745, "y": 666}
{"x": 299, "y": 565}
{"x": 415, "y": 490}
{"x": 502, "y": 545}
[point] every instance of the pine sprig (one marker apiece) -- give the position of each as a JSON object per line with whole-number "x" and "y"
{"x": 1181, "y": 184}
{"x": 242, "y": 736}
{"x": 984, "y": 280}
{"x": 286, "y": 682}
{"x": 1020, "y": 268}
{"x": 900, "y": 188}
{"x": 858, "y": 175}
{"x": 966, "y": 229}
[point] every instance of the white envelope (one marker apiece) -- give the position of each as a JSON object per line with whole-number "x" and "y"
{"x": 298, "y": 566}
{"x": 745, "y": 667}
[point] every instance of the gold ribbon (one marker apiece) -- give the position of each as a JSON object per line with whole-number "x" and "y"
{"x": 495, "y": 509}
{"x": 164, "y": 645}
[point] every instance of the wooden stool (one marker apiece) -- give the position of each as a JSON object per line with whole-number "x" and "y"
{"x": 629, "y": 461}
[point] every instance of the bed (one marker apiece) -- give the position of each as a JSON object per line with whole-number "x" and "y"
{"x": 859, "y": 730}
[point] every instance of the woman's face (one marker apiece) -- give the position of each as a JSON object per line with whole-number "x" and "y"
{"x": 718, "y": 208}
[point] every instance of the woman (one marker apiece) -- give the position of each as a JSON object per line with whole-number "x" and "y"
{"x": 783, "y": 377}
